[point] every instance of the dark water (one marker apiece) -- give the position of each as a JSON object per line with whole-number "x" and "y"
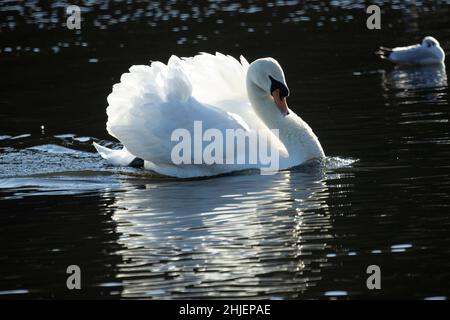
{"x": 310, "y": 232}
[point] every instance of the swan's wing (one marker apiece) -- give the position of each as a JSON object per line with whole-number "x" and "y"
{"x": 217, "y": 78}
{"x": 151, "y": 102}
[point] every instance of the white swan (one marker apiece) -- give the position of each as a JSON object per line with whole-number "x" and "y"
{"x": 425, "y": 53}
{"x": 150, "y": 102}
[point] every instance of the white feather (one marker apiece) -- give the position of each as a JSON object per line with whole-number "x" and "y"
{"x": 150, "y": 102}
{"x": 428, "y": 52}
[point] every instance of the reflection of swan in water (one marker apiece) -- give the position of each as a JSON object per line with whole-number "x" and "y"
{"x": 407, "y": 82}
{"x": 240, "y": 235}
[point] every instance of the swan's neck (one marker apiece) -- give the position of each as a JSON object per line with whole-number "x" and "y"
{"x": 294, "y": 133}
{"x": 265, "y": 107}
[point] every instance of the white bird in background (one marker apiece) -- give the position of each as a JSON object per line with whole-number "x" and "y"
{"x": 150, "y": 102}
{"x": 426, "y": 53}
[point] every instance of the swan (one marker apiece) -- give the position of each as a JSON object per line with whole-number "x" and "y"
{"x": 152, "y": 101}
{"x": 426, "y": 53}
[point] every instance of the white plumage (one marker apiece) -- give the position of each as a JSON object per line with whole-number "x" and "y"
{"x": 150, "y": 102}
{"x": 426, "y": 53}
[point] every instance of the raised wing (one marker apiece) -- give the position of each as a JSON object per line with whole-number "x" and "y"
{"x": 151, "y": 102}
{"x": 217, "y": 78}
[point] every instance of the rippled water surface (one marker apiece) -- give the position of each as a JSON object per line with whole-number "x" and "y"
{"x": 380, "y": 198}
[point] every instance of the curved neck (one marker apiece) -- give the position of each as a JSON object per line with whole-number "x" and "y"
{"x": 294, "y": 133}
{"x": 265, "y": 107}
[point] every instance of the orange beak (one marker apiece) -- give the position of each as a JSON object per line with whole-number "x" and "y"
{"x": 280, "y": 102}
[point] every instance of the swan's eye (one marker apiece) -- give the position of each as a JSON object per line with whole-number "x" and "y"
{"x": 275, "y": 84}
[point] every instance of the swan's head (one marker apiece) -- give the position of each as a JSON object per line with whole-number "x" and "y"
{"x": 267, "y": 75}
{"x": 430, "y": 42}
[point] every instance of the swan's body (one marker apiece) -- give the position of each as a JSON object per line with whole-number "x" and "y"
{"x": 150, "y": 102}
{"x": 426, "y": 53}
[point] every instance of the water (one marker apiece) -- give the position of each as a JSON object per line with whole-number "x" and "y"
{"x": 382, "y": 196}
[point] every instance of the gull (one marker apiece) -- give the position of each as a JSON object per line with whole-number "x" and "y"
{"x": 426, "y": 53}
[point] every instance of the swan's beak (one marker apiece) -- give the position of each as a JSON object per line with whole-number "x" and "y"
{"x": 280, "y": 102}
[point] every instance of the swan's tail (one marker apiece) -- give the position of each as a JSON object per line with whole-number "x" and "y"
{"x": 116, "y": 157}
